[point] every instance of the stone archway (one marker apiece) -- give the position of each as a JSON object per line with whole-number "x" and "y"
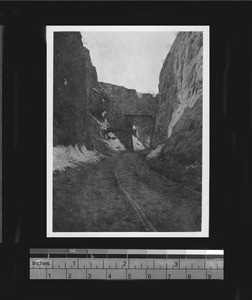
{"x": 140, "y": 125}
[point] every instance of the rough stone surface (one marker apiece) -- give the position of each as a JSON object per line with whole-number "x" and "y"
{"x": 179, "y": 118}
{"x": 176, "y": 111}
{"x": 79, "y": 97}
{"x": 127, "y": 108}
{"x": 128, "y": 101}
{"x": 75, "y": 91}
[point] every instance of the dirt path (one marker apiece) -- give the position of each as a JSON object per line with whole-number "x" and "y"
{"x": 146, "y": 223}
{"x": 122, "y": 194}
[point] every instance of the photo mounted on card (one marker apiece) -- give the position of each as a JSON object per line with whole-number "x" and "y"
{"x": 128, "y": 131}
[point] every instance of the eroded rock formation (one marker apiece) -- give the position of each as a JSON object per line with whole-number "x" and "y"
{"x": 86, "y": 112}
{"x": 74, "y": 91}
{"x": 179, "y": 118}
{"x": 126, "y": 109}
{"x": 92, "y": 113}
{"x": 178, "y": 130}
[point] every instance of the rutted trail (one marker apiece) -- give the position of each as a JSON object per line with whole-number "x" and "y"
{"x": 168, "y": 206}
{"x": 147, "y": 224}
{"x": 121, "y": 193}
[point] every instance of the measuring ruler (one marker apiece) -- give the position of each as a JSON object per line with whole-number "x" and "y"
{"x": 121, "y": 264}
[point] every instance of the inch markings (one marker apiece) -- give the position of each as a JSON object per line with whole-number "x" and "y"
{"x": 121, "y": 264}
{"x": 120, "y": 269}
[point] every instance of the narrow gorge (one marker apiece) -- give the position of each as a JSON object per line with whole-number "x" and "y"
{"x": 125, "y": 161}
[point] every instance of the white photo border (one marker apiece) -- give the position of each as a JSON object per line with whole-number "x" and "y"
{"x": 205, "y": 132}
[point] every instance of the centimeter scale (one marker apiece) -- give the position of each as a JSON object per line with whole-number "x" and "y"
{"x": 121, "y": 264}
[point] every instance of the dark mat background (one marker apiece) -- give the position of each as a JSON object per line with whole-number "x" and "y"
{"x": 1, "y": 54}
{"x": 24, "y": 146}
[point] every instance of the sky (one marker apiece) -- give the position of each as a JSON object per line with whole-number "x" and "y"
{"x": 131, "y": 59}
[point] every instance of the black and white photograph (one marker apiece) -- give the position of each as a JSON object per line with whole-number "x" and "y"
{"x": 127, "y": 131}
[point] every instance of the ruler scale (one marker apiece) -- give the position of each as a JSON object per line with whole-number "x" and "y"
{"x": 126, "y": 264}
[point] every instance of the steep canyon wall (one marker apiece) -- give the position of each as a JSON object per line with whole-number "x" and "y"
{"x": 74, "y": 91}
{"x": 177, "y": 138}
{"x": 170, "y": 122}
{"x": 179, "y": 119}
{"x": 86, "y": 111}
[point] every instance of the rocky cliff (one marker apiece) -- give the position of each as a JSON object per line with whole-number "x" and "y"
{"x": 129, "y": 101}
{"x": 92, "y": 119}
{"x": 74, "y": 91}
{"x": 127, "y": 109}
{"x": 177, "y": 136}
{"x": 79, "y": 125}
{"x": 99, "y": 115}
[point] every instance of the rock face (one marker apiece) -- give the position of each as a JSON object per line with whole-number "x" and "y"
{"x": 90, "y": 113}
{"x": 129, "y": 101}
{"x": 177, "y": 138}
{"x": 179, "y": 118}
{"x": 74, "y": 91}
{"x": 126, "y": 109}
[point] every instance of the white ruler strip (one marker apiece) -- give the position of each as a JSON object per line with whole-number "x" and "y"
{"x": 68, "y": 268}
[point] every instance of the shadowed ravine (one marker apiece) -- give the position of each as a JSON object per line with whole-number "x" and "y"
{"x": 121, "y": 193}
